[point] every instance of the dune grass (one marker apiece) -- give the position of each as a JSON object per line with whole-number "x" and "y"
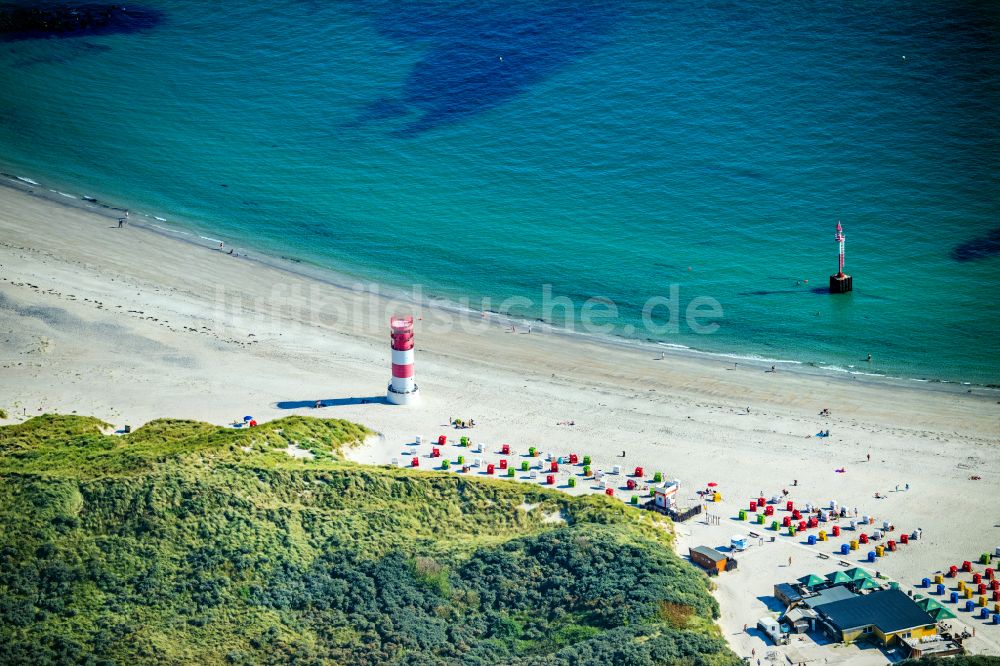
{"x": 184, "y": 542}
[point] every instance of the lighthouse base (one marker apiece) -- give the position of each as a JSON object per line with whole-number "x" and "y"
{"x": 408, "y": 398}
{"x": 841, "y": 284}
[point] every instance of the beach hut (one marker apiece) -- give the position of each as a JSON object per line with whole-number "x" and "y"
{"x": 711, "y": 559}
{"x": 550, "y": 479}
{"x": 505, "y": 449}
{"x": 638, "y": 473}
{"x": 838, "y": 578}
{"x": 553, "y": 466}
{"x": 610, "y": 492}
{"x": 630, "y": 484}
{"x": 616, "y": 470}
{"x": 415, "y": 462}
{"x": 573, "y": 459}
{"x": 665, "y": 495}
{"x": 811, "y": 581}
{"x": 490, "y": 468}
{"x": 503, "y": 463}
{"x": 442, "y": 440}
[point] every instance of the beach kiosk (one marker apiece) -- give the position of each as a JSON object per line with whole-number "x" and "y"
{"x": 711, "y": 560}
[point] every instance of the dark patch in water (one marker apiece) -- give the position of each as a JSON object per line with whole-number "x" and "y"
{"x": 982, "y": 247}
{"x": 384, "y": 108}
{"x": 479, "y": 55}
{"x": 33, "y": 22}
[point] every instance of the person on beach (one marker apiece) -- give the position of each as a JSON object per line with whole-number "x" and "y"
{"x": 869, "y": 359}
{"x": 748, "y": 410}
{"x": 121, "y": 222}
{"x": 869, "y": 457}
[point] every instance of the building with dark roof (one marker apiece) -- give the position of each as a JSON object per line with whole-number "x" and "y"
{"x": 829, "y": 595}
{"x": 787, "y": 594}
{"x": 887, "y": 615}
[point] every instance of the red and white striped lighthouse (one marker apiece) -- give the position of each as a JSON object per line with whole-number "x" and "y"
{"x": 402, "y": 388}
{"x": 840, "y": 283}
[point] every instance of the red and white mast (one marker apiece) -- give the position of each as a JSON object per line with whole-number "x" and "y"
{"x": 402, "y": 389}
{"x": 840, "y": 240}
{"x": 840, "y": 283}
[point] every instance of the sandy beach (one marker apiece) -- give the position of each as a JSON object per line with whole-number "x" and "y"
{"x": 129, "y": 325}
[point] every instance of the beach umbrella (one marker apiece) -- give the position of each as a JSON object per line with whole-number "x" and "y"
{"x": 857, "y": 573}
{"x": 247, "y": 419}
{"x": 838, "y": 577}
{"x": 929, "y": 604}
{"x": 867, "y": 584}
{"x": 812, "y": 580}
{"x": 941, "y": 613}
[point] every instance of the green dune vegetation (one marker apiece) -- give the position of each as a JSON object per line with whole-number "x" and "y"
{"x": 185, "y": 542}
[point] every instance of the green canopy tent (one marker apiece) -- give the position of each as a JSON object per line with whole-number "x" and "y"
{"x": 867, "y": 584}
{"x": 812, "y": 580}
{"x": 838, "y": 577}
{"x": 857, "y": 573}
{"x": 941, "y": 613}
{"x": 929, "y": 604}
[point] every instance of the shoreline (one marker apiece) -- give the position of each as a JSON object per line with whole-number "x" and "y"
{"x": 331, "y": 277}
{"x": 129, "y": 327}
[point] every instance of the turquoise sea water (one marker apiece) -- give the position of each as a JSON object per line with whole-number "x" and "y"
{"x": 610, "y": 150}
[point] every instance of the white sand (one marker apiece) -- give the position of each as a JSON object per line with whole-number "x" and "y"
{"x": 129, "y": 326}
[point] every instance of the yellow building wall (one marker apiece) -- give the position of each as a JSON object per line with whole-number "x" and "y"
{"x": 918, "y": 632}
{"x": 851, "y": 636}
